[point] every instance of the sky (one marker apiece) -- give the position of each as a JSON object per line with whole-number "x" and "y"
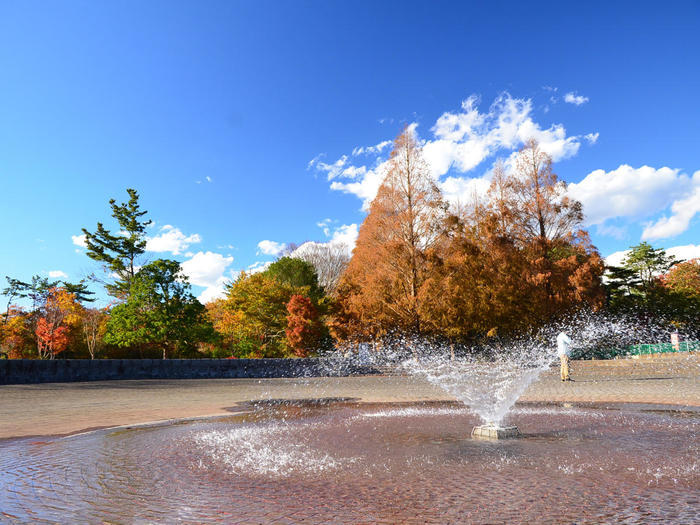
{"x": 247, "y": 126}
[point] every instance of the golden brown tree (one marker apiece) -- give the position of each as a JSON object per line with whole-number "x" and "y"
{"x": 531, "y": 208}
{"x": 380, "y": 290}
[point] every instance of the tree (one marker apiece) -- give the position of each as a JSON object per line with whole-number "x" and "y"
{"x": 120, "y": 251}
{"x": 93, "y": 325}
{"x": 80, "y": 291}
{"x": 684, "y": 279}
{"x": 304, "y": 326}
{"x": 160, "y": 312}
{"x": 530, "y": 207}
{"x": 58, "y": 314}
{"x": 540, "y": 208}
{"x": 252, "y": 318}
{"x": 328, "y": 259}
{"x": 380, "y": 289}
{"x": 647, "y": 263}
{"x": 15, "y": 289}
{"x": 295, "y": 273}
{"x": 16, "y": 334}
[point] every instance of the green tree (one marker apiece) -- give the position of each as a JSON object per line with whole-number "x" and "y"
{"x": 647, "y": 264}
{"x": 297, "y": 273}
{"x": 120, "y": 251}
{"x": 80, "y": 291}
{"x": 160, "y": 312}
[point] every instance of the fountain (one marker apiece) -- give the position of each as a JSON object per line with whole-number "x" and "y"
{"x": 328, "y": 458}
{"x": 488, "y": 382}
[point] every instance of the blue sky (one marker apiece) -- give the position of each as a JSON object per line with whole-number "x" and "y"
{"x": 237, "y": 121}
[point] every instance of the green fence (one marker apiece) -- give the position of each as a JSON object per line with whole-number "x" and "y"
{"x": 608, "y": 352}
{"x": 662, "y": 348}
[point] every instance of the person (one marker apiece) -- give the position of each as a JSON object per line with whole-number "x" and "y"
{"x": 563, "y": 349}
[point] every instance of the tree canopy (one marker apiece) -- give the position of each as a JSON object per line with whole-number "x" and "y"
{"x": 119, "y": 251}
{"x": 160, "y": 312}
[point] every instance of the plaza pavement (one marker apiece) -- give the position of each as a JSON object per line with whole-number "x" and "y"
{"x": 66, "y": 408}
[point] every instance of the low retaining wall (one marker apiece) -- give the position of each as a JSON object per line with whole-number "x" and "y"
{"x": 23, "y": 371}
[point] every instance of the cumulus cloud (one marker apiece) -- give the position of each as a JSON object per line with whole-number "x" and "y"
{"x": 636, "y": 193}
{"x": 682, "y": 212}
{"x": 171, "y": 240}
{"x": 79, "y": 240}
{"x": 271, "y": 247}
{"x": 58, "y": 274}
{"x": 461, "y": 141}
{"x": 573, "y": 98}
{"x": 208, "y": 270}
{"x": 346, "y": 234}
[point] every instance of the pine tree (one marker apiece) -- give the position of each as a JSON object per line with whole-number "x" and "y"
{"x": 119, "y": 251}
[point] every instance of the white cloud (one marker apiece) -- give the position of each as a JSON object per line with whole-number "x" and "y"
{"x": 573, "y": 98}
{"x": 462, "y": 140}
{"x": 207, "y": 269}
{"x": 58, "y": 274}
{"x": 592, "y": 138}
{"x": 271, "y": 247}
{"x": 171, "y": 240}
{"x": 377, "y": 148}
{"x": 79, "y": 240}
{"x": 208, "y": 178}
{"x": 325, "y": 226}
{"x": 631, "y": 193}
{"x": 346, "y": 234}
{"x": 682, "y": 212}
{"x": 258, "y": 266}
{"x": 459, "y": 190}
{"x": 332, "y": 170}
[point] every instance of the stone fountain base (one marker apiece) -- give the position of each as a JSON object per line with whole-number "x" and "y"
{"x": 494, "y": 432}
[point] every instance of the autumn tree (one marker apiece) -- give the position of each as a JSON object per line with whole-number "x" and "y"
{"x": 304, "y": 327}
{"x": 541, "y": 209}
{"x": 529, "y": 207}
{"x": 160, "y": 312}
{"x": 119, "y": 251}
{"x": 380, "y": 289}
{"x": 16, "y": 335}
{"x": 684, "y": 278}
{"x": 58, "y": 315}
{"x": 252, "y": 318}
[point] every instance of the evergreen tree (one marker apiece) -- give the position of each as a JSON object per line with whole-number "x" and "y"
{"x": 119, "y": 251}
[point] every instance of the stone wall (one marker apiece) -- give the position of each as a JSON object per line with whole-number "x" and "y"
{"x": 23, "y": 371}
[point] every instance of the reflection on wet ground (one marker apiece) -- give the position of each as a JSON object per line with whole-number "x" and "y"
{"x": 336, "y": 461}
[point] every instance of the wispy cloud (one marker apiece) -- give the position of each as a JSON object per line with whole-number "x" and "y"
{"x": 573, "y": 98}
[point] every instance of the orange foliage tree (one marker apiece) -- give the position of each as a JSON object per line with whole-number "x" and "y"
{"x": 684, "y": 279}
{"x": 59, "y": 314}
{"x": 304, "y": 326}
{"x": 15, "y": 334}
{"x": 380, "y": 288}
{"x": 505, "y": 264}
